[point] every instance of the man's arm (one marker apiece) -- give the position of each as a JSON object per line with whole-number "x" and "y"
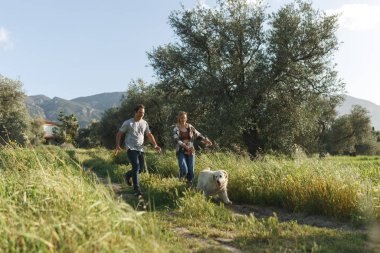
{"x": 118, "y": 138}
{"x": 153, "y": 141}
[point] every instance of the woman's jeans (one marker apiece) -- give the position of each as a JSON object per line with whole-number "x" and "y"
{"x": 186, "y": 165}
{"x": 138, "y": 164}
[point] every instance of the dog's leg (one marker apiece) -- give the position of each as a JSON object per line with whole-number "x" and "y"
{"x": 224, "y": 197}
{"x": 207, "y": 195}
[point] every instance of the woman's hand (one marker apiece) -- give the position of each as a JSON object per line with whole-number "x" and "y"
{"x": 207, "y": 142}
{"x": 186, "y": 148}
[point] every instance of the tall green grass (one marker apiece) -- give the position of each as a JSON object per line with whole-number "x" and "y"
{"x": 48, "y": 204}
{"x": 344, "y": 188}
{"x": 340, "y": 187}
{"x": 51, "y": 201}
{"x": 250, "y": 234}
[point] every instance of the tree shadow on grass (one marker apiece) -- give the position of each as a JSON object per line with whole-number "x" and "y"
{"x": 112, "y": 174}
{"x": 103, "y": 168}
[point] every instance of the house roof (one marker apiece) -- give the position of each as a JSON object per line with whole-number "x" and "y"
{"x": 48, "y": 122}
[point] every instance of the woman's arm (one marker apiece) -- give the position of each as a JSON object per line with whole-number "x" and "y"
{"x": 199, "y": 136}
{"x": 176, "y": 137}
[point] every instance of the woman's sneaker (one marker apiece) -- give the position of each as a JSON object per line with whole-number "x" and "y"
{"x": 189, "y": 183}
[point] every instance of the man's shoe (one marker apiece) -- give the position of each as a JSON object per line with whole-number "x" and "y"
{"x": 138, "y": 194}
{"x": 128, "y": 179}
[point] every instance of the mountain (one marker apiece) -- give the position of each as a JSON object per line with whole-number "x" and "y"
{"x": 101, "y": 101}
{"x": 373, "y": 109}
{"x": 86, "y": 109}
{"x": 91, "y": 108}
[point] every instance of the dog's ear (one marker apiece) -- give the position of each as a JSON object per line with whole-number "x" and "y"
{"x": 225, "y": 173}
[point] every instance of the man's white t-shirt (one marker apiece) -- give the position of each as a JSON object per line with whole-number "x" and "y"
{"x": 135, "y": 132}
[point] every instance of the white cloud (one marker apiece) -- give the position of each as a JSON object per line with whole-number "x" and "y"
{"x": 203, "y": 4}
{"x": 358, "y": 17}
{"x": 3, "y": 35}
{"x": 5, "y": 40}
{"x": 254, "y": 2}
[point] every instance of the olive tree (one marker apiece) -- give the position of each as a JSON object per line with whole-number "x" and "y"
{"x": 352, "y": 133}
{"x": 250, "y": 78}
{"x": 157, "y": 114}
{"x": 14, "y": 118}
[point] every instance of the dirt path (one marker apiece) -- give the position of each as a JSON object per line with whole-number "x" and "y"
{"x": 221, "y": 243}
{"x": 126, "y": 194}
{"x": 258, "y": 211}
{"x": 286, "y": 216}
{"x": 239, "y": 209}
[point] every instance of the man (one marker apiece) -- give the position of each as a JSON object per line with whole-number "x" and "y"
{"x": 135, "y": 129}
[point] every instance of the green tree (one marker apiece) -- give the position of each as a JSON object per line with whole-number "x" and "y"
{"x": 36, "y": 132}
{"x": 67, "y": 128}
{"x": 248, "y": 78}
{"x": 14, "y": 119}
{"x": 376, "y": 134}
{"x": 157, "y": 113}
{"x": 352, "y": 133}
{"x": 89, "y": 137}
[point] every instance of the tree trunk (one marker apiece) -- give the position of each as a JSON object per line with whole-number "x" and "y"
{"x": 253, "y": 142}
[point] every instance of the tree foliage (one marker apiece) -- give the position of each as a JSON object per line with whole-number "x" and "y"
{"x": 89, "y": 137}
{"x": 36, "y": 132}
{"x": 249, "y": 78}
{"x": 67, "y": 128}
{"x": 156, "y": 108}
{"x": 353, "y": 133}
{"x": 14, "y": 119}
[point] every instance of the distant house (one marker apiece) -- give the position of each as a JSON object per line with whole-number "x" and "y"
{"x": 48, "y": 131}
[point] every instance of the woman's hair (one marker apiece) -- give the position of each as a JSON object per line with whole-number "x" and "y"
{"x": 180, "y": 114}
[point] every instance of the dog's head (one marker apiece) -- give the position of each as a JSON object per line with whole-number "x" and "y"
{"x": 221, "y": 177}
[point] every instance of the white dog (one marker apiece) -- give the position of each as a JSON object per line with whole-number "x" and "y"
{"x": 214, "y": 182}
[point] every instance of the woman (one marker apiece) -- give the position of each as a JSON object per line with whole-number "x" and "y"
{"x": 184, "y": 135}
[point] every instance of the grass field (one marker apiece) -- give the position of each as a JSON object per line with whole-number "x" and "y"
{"x": 55, "y": 200}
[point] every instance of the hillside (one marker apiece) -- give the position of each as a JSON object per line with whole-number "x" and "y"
{"x": 101, "y": 101}
{"x": 86, "y": 109}
{"x": 91, "y": 107}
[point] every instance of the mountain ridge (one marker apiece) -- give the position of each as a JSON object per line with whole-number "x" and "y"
{"x": 90, "y": 108}
{"x": 86, "y": 109}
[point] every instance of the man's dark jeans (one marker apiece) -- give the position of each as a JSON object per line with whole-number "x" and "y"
{"x": 138, "y": 164}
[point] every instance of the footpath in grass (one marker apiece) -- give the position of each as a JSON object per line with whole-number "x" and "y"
{"x": 209, "y": 226}
{"x": 280, "y": 205}
{"x": 76, "y": 200}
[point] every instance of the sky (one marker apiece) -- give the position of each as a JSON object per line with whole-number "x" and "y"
{"x": 71, "y": 49}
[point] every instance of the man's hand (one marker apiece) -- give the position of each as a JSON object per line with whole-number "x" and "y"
{"x": 117, "y": 150}
{"x": 157, "y": 148}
